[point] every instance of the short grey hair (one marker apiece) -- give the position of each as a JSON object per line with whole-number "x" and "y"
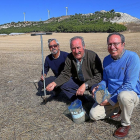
{"x": 116, "y": 33}
{"x": 78, "y": 37}
{"x": 52, "y": 39}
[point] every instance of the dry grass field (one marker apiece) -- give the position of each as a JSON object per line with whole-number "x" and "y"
{"x": 23, "y": 117}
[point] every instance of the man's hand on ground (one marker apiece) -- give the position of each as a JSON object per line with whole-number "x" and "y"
{"x": 51, "y": 86}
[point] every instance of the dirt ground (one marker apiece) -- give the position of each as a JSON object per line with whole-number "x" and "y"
{"x": 24, "y": 117}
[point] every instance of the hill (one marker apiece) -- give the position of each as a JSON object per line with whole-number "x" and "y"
{"x": 100, "y": 21}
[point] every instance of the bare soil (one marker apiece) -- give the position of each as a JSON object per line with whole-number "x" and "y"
{"x": 23, "y": 115}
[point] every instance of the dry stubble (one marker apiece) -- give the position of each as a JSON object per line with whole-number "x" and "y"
{"x": 22, "y": 117}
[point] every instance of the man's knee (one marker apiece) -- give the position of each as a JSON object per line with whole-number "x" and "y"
{"x": 49, "y": 80}
{"x": 69, "y": 85}
{"x": 94, "y": 115}
{"x": 40, "y": 84}
{"x": 64, "y": 86}
{"x": 125, "y": 97}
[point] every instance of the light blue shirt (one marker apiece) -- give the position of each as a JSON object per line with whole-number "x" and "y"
{"x": 121, "y": 75}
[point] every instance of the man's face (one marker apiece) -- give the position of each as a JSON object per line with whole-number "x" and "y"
{"x": 54, "y": 48}
{"x": 77, "y": 49}
{"x": 115, "y": 47}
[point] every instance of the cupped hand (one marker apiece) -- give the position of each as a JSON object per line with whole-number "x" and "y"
{"x": 81, "y": 90}
{"x": 105, "y": 102}
{"x": 51, "y": 86}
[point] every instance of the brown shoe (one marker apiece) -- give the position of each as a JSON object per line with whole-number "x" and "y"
{"x": 116, "y": 117}
{"x": 122, "y": 132}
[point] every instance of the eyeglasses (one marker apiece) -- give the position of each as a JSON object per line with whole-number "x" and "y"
{"x": 114, "y": 44}
{"x": 55, "y": 45}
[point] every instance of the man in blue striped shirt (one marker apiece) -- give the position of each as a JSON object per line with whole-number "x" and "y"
{"x": 121, "y": 75}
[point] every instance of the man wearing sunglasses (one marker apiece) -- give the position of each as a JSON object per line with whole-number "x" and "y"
{"x": 82, "y": 69}
{"x": 121, "y": 76}
{"x": 55, "y": 61}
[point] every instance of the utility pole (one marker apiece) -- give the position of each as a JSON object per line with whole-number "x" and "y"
{"x": 24, "y": 17}
{"x": 66, "y": 11}
{"x": 48, "y": 14}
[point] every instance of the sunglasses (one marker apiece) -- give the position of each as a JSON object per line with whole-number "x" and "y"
{"x": 53, "y": 46}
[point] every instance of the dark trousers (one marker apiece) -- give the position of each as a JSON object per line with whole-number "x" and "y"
{"x": 70, "y": 87}
{"x": 48, "y": 80}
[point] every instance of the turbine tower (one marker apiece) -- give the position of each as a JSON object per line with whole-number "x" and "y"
{"x": 66, "y": 11}
{"x": 48, "y": 14}
{"x": 24, "y": 17}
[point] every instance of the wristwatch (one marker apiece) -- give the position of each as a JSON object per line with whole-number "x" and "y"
{"x": 86, "y": 85}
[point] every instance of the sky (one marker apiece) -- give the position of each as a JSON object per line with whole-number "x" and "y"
{"x": 37, "y": 10}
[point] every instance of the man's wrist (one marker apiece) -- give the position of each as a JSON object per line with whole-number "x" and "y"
{"x": 111, "y": 102}
{"x": 86, "y": 85}
{"x": 54, "y": 84}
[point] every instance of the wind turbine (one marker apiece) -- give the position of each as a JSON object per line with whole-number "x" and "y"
{"x": 48, "y": 14}
{"x": 66, "y": 10}
{"x": 24, "y": 16}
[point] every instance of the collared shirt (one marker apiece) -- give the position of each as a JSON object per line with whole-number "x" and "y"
{"x": 119, "y": 56}
{"x": 79, "y": 70}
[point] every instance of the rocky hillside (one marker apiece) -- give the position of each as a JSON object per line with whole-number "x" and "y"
{"x": 132, "y": 23}
{"x": 124, "y": 18}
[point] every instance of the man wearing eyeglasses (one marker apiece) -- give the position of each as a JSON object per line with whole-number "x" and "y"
{"x": 121, "y": 75}
{"x": 55, "y": 61}
{"x": 82, "y": 69}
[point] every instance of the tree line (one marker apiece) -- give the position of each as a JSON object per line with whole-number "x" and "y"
{"x": 95, "y": 22}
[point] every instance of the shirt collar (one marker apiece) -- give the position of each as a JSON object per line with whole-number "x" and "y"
{"x": 81, "y": 59}
{"x": 119, "y": 56}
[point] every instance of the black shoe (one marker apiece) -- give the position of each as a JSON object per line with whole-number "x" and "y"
{"x": 83, "y": 99}
{"x": 73, "y": 98}
{"x": 40, "y": 93}
{"x": 56, "y": 91}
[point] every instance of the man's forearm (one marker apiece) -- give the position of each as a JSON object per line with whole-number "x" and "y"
{"x": 95, "y": 80}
